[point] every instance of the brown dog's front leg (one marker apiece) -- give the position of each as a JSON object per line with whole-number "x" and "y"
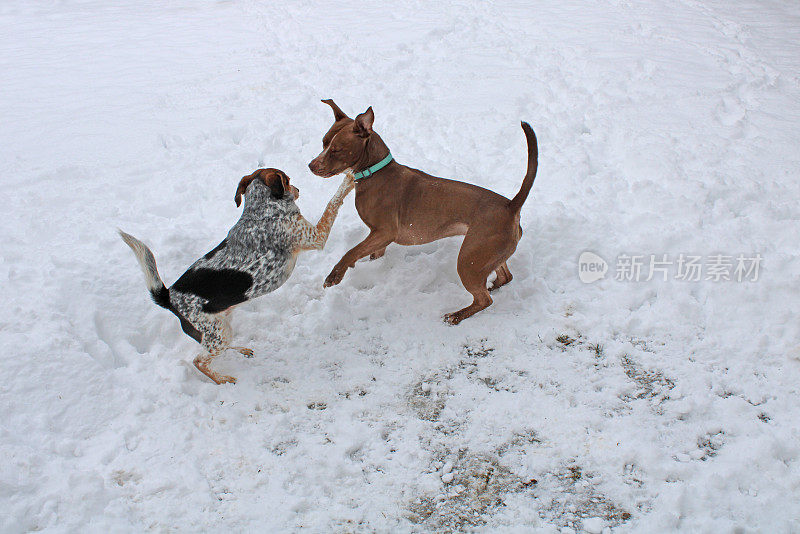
{"x": 377, "y": 254}
{"x": 375, "y": 241}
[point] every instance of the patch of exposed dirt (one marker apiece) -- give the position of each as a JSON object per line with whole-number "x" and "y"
{"x": 477, "y": 488}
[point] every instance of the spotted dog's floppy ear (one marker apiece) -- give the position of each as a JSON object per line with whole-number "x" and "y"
{"x": 276, "y": 184}
{"x": 285, "y": 182}
{"x": 242, "y": 187}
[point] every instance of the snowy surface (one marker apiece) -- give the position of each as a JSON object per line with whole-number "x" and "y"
{"x": 664, "y": 128}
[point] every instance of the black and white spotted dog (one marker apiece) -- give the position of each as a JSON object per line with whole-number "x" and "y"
{"x": 256, "y": 257}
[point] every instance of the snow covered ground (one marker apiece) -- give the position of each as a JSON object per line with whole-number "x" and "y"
{"x": 665, "y": 128}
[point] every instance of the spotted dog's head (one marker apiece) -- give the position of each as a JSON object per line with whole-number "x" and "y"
{"x": 275, "y": 179}
{"x": 344, "y": 146}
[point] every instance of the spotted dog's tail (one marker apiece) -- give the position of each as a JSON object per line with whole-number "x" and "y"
{"x": 147, "y": 261}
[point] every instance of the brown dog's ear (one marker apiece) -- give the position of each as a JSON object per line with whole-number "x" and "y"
{"x": 338, "y": 114}
{"x": 363, "y": 123}
{"x": 242, "y": 187}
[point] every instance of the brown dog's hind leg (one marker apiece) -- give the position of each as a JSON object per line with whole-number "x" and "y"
{"x": 477, "y": 259}
{"x": 481, "y": 301}
{"x": 473, "y": 276}
{"x": 374, "y": 242}
{"x": 503, "y": 277}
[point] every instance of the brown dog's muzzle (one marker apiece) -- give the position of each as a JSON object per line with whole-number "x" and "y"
{"x": 314, "y": 166}
{"x": 319, "y": 169}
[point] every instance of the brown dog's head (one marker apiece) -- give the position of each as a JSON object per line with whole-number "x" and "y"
{"x": 275, "y": 179}
{"x": 345, "y": 145}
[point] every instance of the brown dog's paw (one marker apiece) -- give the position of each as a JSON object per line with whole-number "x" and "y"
{"x": 334, "y": 278}
{"x": 452, "y": 318}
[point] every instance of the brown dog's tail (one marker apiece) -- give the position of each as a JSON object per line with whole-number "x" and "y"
{"x": 533, "y": 163}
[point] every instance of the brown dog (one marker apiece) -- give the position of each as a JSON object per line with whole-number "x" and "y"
{"x": 408, "y": 207}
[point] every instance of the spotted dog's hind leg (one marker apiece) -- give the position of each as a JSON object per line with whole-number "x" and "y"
{"x": 228, "y": 334}
{"x": 202, "y": 362}
{"x": 216, "y": 334}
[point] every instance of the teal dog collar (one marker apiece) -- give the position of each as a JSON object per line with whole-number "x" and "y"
{"x": 369, "y": 171}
